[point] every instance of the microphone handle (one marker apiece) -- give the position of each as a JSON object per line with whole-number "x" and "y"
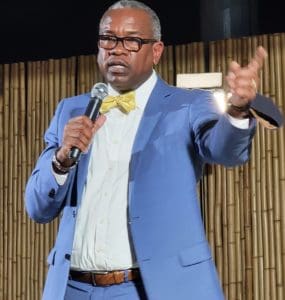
{"x": 92, "y": 112}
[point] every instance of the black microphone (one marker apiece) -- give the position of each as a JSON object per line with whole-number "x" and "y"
{"x": 98, "y": 93}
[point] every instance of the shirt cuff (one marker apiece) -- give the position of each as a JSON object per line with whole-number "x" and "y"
{"x": 239, "y": 123}
{"x": 60, "y": 178}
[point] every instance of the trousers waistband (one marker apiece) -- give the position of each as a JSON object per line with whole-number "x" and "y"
{"x": 108, "y": 278}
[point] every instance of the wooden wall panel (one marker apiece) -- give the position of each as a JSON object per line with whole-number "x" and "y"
{"x": 243, "y": 208}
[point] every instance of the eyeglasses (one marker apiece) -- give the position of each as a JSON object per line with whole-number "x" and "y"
{"x": 130, "y": 43}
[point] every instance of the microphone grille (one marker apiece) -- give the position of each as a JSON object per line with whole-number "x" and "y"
{"x": 99, "y": 90}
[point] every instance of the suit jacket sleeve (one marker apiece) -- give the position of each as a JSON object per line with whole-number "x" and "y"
{"x": 44, "y": 198}
{"x": 216, "y": 139}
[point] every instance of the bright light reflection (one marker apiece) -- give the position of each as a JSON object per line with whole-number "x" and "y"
{"x": 221, "y": 100}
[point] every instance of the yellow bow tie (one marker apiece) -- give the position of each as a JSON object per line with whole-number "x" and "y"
{"x": 125, "y": 102}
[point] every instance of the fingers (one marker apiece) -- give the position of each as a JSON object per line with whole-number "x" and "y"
{"x": 243, "y": 84}
{"x": 234, "y": 67}
{"x": 78, "y": 133}
{"x": 258, "y": 59}
{"x": 243, "y": 81}
{"x": 98, "y": 123}
{"x": 247, "y": 80}
{"x": 245, "y": 93}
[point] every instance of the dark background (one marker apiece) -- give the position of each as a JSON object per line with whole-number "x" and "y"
{"x": 37, "y": 30}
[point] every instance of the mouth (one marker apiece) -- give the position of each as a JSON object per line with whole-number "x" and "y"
{"x": 117, "y": 66}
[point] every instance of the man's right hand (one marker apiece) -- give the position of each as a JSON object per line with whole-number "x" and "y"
{"x": 78, "y": 132}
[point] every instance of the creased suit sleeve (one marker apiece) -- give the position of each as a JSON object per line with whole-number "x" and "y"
{"x": 44, "y": 198}
{"x": 216, "y": 139}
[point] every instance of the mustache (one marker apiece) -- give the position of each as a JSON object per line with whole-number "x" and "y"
{"x": 117, "y": 62}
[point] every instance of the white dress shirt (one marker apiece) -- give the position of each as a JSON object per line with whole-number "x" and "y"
{"x": 102, "y": 240}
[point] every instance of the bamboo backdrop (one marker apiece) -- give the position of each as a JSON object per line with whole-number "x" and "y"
{"x": 243, "y": 208}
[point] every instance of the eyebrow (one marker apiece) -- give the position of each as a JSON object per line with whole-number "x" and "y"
{"x": 127, "y": 33}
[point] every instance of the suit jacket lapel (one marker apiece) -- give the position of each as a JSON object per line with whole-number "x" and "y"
{"x": 152, "y": 113}
{"x": 154, "y": 110}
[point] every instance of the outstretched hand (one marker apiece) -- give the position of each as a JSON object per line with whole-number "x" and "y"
{"x": 243, "y": 81}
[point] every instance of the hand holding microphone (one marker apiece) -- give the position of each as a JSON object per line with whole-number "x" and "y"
{"x": 79, "y": 131}
{"x": 98, "y": 93}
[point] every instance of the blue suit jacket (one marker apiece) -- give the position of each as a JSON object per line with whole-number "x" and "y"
{"x": 179, "y": 131}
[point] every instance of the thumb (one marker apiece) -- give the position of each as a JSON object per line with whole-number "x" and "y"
{"x": 98, "y": 123}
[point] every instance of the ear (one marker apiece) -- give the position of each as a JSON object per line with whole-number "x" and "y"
{"x": 157, "y": 50}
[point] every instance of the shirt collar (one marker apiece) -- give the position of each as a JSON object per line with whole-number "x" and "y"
{"x": 142, "y": 92}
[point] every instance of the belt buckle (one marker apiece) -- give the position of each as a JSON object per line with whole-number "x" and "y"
{"x": 93, "y": 278}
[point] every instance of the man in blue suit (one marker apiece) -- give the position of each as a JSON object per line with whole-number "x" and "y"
{"x": 130, "y": 223}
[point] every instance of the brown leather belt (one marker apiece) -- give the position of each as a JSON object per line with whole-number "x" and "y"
{"x": 104, "y": 279}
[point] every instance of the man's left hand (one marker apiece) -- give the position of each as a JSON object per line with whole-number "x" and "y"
{"x": 243, "y": 81}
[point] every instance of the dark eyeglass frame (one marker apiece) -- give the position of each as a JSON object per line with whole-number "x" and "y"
{"x": 116, "y": 39}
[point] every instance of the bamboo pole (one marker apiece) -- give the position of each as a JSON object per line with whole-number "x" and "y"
{"x": 56, "y": 76}
{"x": 63, "y": 79}
{"x": 218, "y": 221}
{"x": 2, "y": 206}
{"x": 5, "y": 109}
{"x": 225, "y": 216}
{"x": 171, "y": 72}
{"x": 70, "y": 73}
{"x": 231, "y": 233}
{"x": 16, "y": 205}
{"x": 166, "y": 63}
{"x": 212, "y": 56}
{"x": 195, "y": 55}
{"x": 281, "y": 152}
{"x": 237, "y": 230}
{"x": 51, "y": 94}
{"x": 248, "y": 267}
{"x": 211, "y": 205}
{"x": 22, "y": 260}
{"x": 81, "y": 85}
{"x": 7, "y": 261}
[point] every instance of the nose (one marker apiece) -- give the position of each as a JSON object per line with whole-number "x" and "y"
{"x": 119, "y": 48}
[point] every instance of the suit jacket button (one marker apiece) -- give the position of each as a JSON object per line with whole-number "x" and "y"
{"x": 51, "y": 193}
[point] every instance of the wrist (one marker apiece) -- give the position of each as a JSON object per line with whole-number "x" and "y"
{"x": 239, "y": 112}
{"x": 59, "y": 167}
